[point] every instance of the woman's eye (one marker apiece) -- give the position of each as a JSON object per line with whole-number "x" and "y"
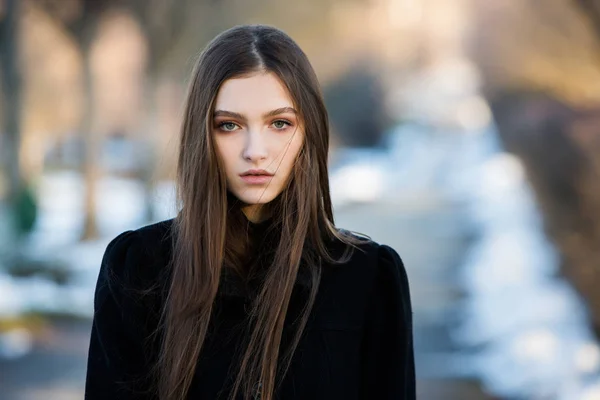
{"x": 280, "y": 124}
{"x": 228, "y": 126}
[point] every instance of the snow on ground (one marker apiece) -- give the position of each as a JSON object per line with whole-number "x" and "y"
{"x": 527, "y": 327}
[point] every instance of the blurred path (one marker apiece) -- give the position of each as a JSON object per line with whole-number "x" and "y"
{"x": 55, "y": 370}
{"x": 431, "y": 240}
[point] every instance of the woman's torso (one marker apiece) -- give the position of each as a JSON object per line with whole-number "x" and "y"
{"x": 335, "y": 349}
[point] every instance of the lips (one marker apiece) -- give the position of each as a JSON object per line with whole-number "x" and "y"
{"x": 256, "y": 177}
{"x": 257, "y": 172}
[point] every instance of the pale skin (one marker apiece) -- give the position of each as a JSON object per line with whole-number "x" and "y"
{"x": 256, "y": 127}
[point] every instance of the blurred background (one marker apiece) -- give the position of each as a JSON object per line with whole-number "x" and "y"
{"x": 466, "y": 134}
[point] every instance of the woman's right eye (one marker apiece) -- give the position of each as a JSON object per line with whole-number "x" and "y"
{"x": 227, "y": 126}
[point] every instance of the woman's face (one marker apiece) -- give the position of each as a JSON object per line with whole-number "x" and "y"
{"x": 258, "y": 136}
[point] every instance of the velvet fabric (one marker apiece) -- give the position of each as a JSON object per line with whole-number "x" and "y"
{"x": 357, "y": 343}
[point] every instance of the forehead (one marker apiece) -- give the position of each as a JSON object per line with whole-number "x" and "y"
{"x": 254, "y": 93}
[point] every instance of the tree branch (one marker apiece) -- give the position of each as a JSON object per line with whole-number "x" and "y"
{"x": 591, "y": 10}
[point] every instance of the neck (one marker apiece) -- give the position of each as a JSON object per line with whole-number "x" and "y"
{"x": 256, "y": 213}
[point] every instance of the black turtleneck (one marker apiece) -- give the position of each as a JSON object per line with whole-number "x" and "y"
{"x": 262, "y": 238}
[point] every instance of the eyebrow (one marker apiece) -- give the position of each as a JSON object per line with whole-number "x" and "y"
{"x": 272, "y": 113}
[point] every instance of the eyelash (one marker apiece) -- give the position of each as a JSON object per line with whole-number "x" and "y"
{"x": 221, "y": 124}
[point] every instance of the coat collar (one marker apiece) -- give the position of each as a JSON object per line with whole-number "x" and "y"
{"x": 266, "y": 236}
{"x": 232, "y": 285}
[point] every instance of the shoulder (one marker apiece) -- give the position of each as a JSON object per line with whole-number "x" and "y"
{"x": 149, "y": 236}
{"x": 370, "y": 279}
{"x": 387, "y": 288}
{"x": 129, "y": 289}
{"x": 135, "y": 258}
{"x": 367, "y": 255}
{"x": 156, "y": 235}
{"x": 370, "y": 265}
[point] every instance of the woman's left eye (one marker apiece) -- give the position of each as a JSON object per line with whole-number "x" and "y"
{"x": 228, "y": 126}
{"x": 281, "y": 124}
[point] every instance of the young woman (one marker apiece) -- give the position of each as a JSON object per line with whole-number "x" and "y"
{"x": 251, "y": 292}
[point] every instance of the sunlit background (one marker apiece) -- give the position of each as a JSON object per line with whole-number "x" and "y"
{"x": 465, "y": 134}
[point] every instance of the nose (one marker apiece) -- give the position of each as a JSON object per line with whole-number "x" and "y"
{"x": 256, "y": 147}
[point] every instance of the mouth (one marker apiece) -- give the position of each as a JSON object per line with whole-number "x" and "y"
{"x": 256, "y": 172}
{"x": 256, "y": 177}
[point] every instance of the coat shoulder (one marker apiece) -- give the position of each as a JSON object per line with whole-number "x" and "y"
{"x": 366, "y": 254}
{"x": 135, "y": 259}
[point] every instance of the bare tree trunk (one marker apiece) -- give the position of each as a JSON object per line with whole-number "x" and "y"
{"x": 590, "y": 10}
{"x": 11, "y": 87}
{"x": 83, "y": 29}
{"x": 149, "y": 158}
{"x": 544, "y": 132}
{"x": 92, "y": 147}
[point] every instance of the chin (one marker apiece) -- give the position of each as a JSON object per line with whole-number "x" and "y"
{"x": 256, "y": 196}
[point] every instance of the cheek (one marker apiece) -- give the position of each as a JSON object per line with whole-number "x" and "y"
{"x": 226, "y": 151}
{"x": 292, "y": 152}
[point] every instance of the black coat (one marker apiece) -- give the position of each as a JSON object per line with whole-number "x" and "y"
{"x": 357, "y": 343}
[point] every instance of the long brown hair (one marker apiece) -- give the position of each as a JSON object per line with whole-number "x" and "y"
{"x": 208, "y": 234}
